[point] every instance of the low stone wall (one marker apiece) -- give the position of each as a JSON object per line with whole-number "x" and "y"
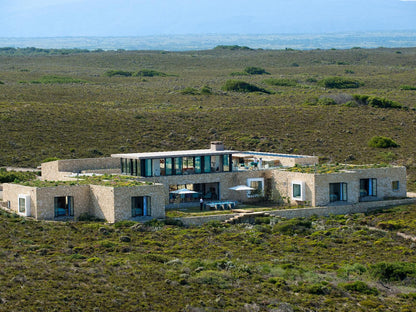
{"x": 308, "y": 212}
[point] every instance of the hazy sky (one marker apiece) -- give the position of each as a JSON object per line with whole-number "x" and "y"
{"x": 51, "y": 18}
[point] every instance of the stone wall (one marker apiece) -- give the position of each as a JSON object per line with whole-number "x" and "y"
{"x": 123, "y": 195}
{"x": 384, "y": 177}
{"x": 282, "y": 186}
{"x": 308, "y": 212}
{"x": 42, "y": 199}
{"x": 60, "y": 169}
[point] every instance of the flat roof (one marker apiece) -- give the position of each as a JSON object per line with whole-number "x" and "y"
{"x": 156, "y": 155}
{"x": 270, "y": 155}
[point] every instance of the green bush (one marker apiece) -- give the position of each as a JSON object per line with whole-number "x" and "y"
{"x": 293, "y": 226}
{"x": 393, "y": 271}
{"x": 206, "y": 90}
{"x": 360, "y": 287}
{"x": 326, "y": 101}
{"x": 382, "y": 142}
{"x": 252, "y": 70}
{"x": 49, "y": 159}
{"x": 340, "y": 83}
{"x": 190, "y": 91}
{"x": 16, "y": 176}
{"x": 281, "y": 82}
{"x": 406, "y": 87}
{"x": 242, "y": 86}
{"x": 375, "y": 101}
{"x": 111, "y": 73}
{"x": 149, "y": 73}
{"x": 231, "y": 47}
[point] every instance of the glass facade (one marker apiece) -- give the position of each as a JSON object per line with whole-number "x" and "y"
{"x": 176, "y": 165}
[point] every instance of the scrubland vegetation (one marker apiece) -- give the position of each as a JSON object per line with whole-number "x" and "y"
{"x": 339, "y": 263}
{"x": 73, "y": 104}
{"x": 93, "y": 104}
{"x": 77, "y": 104}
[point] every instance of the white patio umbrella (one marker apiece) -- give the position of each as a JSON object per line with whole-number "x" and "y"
{"x": 241, "y": 188}
{"x": 183, "y": 192}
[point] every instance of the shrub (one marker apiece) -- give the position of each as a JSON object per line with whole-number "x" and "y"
{"x": 149, "y": 73}
{"x": 376, "y": 101}
{"x": 111, "y": 73}
{"x": 255, "y": 71}
{"x": 242, "y": 86}
{"x": 393, "y": 271}
{"x": 406, "y": 87}
{"x": 171, "y": 221}
{"x": 49, "y": 159}
{"x": 293, "y": 226}
{"x": 87, "y": 217}
{"x": 190, "y": 91}
{"x": 124, "y": 224}
{"x": 16, "y": 176}
{"x": 360, "y": 287}
{"x": 231, "y": 47}
{"x": 382, "y": 142}
{"x": 206, "y": 90}
{"x": 326, "y": 101}
{"x": 339, "y": 83}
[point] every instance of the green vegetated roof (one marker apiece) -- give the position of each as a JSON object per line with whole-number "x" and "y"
{"x": 332, "y": 168}
{"x": 104, "y": 180}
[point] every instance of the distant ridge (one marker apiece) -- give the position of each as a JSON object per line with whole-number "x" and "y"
{"x": 209, "y": 41}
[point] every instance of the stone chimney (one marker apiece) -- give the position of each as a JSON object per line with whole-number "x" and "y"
{"x": 217, "y": 146}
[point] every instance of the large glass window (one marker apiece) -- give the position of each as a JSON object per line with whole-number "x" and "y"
{"x": 148, "y": 167}
{"x": 226, "y": 163}
{"x": 178, "y": 165}
{"x": 64, "y": 206}
{"x": 337, "y": 192}
{"x": 140, "y": 206}
{"x": 198, "y": 164}
{"x": 207, "y": 164}
{"x": 368, "y": 187}
{"x": 168, "y": 166}
{"x": 188, "y": 165}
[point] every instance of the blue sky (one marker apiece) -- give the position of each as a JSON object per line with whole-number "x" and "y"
{"x": 57, "y": 18}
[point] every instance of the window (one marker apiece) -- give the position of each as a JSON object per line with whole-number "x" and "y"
{"x": 207, "y": 164}
{"x": 178, "y": 165}
{"x": 395, "y": 185}
{"x": 258, "y": 185}
{"x": 226, "y": 163}
{"x": 298, "y": 190}
{"x": 368, "y": 187}
{"x": 198, "y": 164}
{"x": 64, "y": 206}
{"x": 22, "y": 204}
{"x": 140, "y": 206}
{"x": 168, "y": 166}
{"x": 337, "y": 192}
